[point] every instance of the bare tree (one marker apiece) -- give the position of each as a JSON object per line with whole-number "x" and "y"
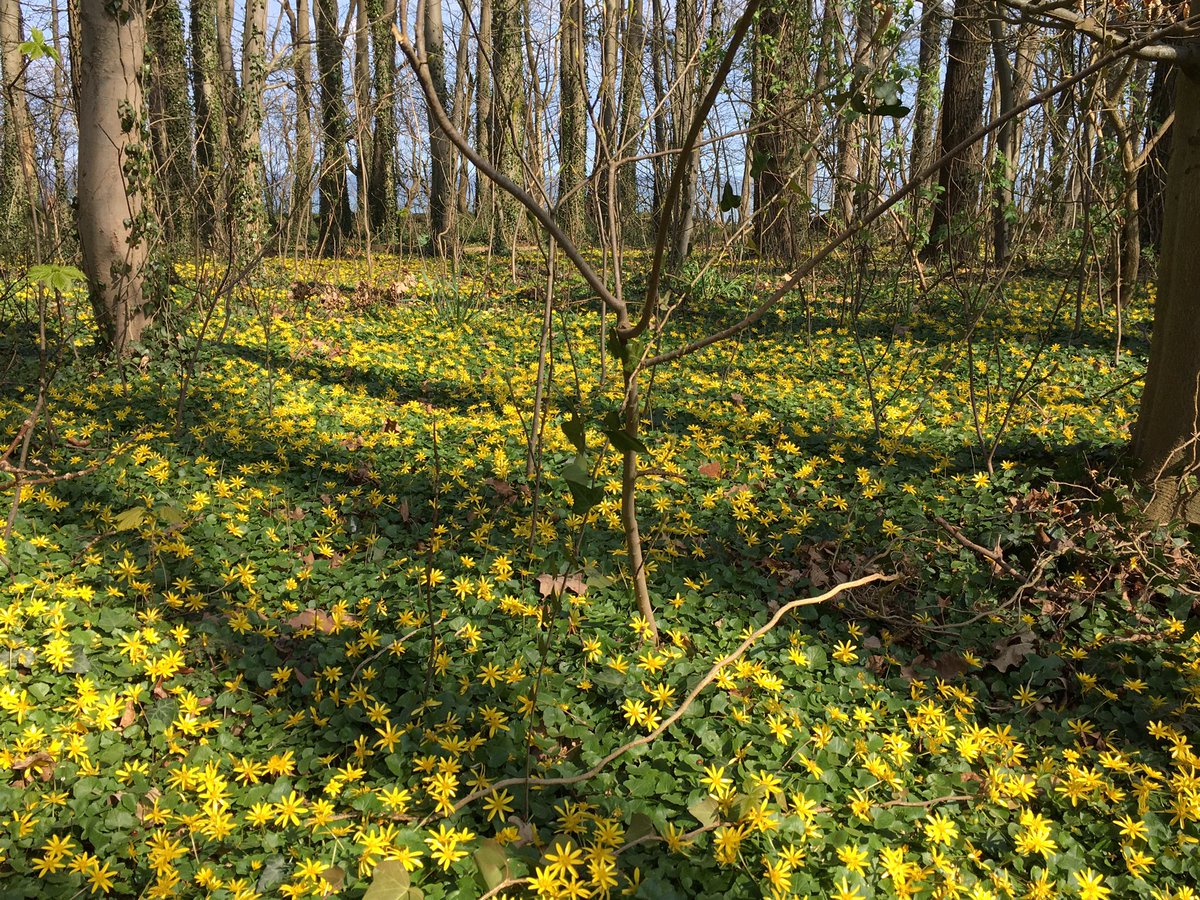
{"x": 336, "y": 219}
{"x": 953, "y": 229}
{"x": 112, "y": 228}
{"x": 20, "y": 195}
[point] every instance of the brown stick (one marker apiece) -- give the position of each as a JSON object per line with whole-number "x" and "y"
{"x": 687, "y": 701}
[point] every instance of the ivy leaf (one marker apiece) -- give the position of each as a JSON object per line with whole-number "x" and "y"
{"x": 759, "y": 163}
{"x": 729, "y": 200}
{"x": 391, "y": 882}
{"x": 583, "y": 494}
{"x": 130, "y": 519}
{"x": 492, "y": 862}
{"x": 574, "y": 430}
{"x": 620, "y": 439}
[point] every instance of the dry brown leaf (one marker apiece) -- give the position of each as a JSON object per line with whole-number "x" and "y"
{"x": 560, "y": 584}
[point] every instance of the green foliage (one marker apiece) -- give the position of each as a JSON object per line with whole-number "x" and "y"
{"x": 269, "y": 654}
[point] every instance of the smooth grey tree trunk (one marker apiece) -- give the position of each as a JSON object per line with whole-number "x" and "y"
{"x": 112, "y": 232}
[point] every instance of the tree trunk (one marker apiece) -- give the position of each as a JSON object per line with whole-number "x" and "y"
{"x": 774, "y": 131}
{"x": 633, "y": 48}
{"x": 302, "y": 158}
{"x": 683, "y": 108}
{"x": 210, "y": 123}
{"x": 441, "y": 155}
{"x": 1005, "y": 155}
{"x": 1152, "y": 176}
{"x": 381, "y": 187}
{"x": 484, "y": 77}
{"x": 953, "y": 231}
{"x": 336, "y": 219}
{"x": 572, "y": 123}
{"x": 363, "y": 118}
{"x": 112, "y": 231}
{"x": 170, "y": 117}
{"x": 246, "y": 202}
{"x": 925, "y": 105}
{"x": 19, "y": 190}
{"x": 507, "y": 113}
{"x": 1166, "y": 439}
{"x": 607, "y": 128}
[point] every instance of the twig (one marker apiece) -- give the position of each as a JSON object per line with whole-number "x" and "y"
{"x": 684, "y": 706}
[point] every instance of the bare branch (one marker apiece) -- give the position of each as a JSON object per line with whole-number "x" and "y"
{"x": 420, "y": 65}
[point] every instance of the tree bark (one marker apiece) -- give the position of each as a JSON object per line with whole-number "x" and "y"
{"x": 572, "y": 124}
{"x": 633, "y": 47}
{"x": 484, "y": 78}
{"x": 381, "y": 187}
{"x": 336, "y": 219}
{"x": 441, "y": 152}
{"x": 19, "y": 190}
{"x": 170, "y": 117}
{"x": 1166, "y": 439}
{"x": 607, "y": 127}
{"x": 302, "y": 156}
{"x": 775, "y": 132}
{"x": 953, "y": 231}
{"x": 507, "y": 113}
{"x": 246, "y": 200}
{"x": 925, "y": 106}
{"x": 683, "y": 108}
{"x": 211, "y": 144}
{"x": 111, "y": 207}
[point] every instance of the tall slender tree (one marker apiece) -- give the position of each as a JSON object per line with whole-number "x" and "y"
{"x": 381, "y": 186}
{"x": 170, "y": 117}
{"x": 303, "y": 152}
{"x": 441, "y": 156}
{"x": 335, "y": 217}
{"x": 924, "y": 106}
{"x": 111, "y": 204}
{"x": 20, "y": 194}
{"x": 211, "y": 135}
{"x": 953, "y": 232}
{"x": 507, "y": 112}
{"x": 572, "y": 122}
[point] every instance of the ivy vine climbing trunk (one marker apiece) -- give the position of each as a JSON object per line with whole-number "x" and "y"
{"x": 336, "y": 220}
{"x": 112, "y": 162}
{"x": 19, "y": 191}
{"x": 170, "y": 117}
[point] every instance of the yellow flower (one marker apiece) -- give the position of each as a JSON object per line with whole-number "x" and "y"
{"x": 844, "y": 652}
{"x": 1090, "y": 885}
{"x": 939, "y": 829}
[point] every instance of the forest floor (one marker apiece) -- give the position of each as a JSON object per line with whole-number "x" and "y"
{"x": 285, "y": 643}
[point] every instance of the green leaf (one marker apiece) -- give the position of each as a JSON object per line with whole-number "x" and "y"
{"x": 391, "y": 882}
{"x": 492, "y": 862}
{"x": 705, "y": 811}
{"x": 729, "y": 200}
{"x": 55, "y": 277}
{"x": 621, "y": 440}
{"x": 130, "y": 519}
{"x": 574, "y": 430}
{"x": 640, "y": 826}
{"x": 759, "y": 164}
{"x": 618, "y": 347}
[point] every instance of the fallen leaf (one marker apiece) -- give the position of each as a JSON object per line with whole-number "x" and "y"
{"x": 560, "y": 584}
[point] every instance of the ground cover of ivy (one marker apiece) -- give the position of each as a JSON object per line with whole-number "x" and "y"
{"x": 268, "y": 652}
